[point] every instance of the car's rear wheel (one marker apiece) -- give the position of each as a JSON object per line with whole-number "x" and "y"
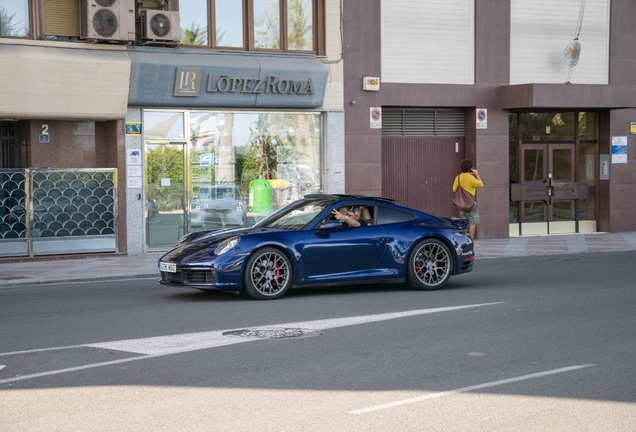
{"x": 430, "y": 265}
{"x": 268, "y": 274}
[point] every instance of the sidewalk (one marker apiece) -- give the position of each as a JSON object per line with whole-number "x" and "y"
{"x": 121, "y": 267}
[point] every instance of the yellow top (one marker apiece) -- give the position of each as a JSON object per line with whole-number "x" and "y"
{"x": 468, "y": 182}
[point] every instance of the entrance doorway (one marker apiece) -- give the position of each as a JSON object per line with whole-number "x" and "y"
{"x": 552, "y": 173}
{"x": 422, "y": 150}
{"x": 9, "y": 154}
{"x": 165, "y": 194}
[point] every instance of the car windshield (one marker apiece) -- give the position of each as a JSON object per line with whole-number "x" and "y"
{"x": 295, "y": 216}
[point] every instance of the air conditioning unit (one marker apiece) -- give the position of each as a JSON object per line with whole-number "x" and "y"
{"x": 112, "y": 20}
{"x": 161, "y": 26}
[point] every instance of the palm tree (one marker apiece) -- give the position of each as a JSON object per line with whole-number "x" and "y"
{"x": 10, "y": 28}
{"x": 194, "y": 35}
{"x": 267, "y": 27}
{"x": 300, "y": 25}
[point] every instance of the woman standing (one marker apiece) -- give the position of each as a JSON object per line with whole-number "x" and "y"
{"x": 469, "y": 180}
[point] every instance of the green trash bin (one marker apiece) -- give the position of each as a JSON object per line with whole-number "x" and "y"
{"x": 260, "y": 196}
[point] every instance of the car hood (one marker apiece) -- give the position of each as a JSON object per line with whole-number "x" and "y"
{"x": 200, "y": 244}
{"x": 217, "y": 236}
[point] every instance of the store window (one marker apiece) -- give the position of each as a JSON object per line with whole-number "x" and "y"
{"x": 220, "y": 169}
{"x": 273, "y": 158}
{"x": 272, "y": 25}
{"x": 14, "y": 18}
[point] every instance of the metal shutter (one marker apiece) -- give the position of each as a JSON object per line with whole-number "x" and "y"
{"x": 419, "y": 122}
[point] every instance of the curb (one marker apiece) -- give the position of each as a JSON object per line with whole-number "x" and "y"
{"x": 79, "y": 280}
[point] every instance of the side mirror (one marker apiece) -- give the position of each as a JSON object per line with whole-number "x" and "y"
{"x": 330, "y": 225}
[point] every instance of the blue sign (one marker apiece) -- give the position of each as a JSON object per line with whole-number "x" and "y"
{"x": 206, "y": 159}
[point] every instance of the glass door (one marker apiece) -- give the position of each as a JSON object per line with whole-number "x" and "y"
{"x": 547, "y": 191}
{"x": 166, "y": 208}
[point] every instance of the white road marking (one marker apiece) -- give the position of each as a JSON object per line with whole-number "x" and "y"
{"x": 2, "y": 366}
{"x": 163, "y": 345}
{"x": 466, "y": 389}
{"x": 166, "y": 345}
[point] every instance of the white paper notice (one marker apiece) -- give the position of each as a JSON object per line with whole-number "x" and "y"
{"x": 165, "y": 182}
{"x": 134, "y": 171}
{"x": 134, "y": 182}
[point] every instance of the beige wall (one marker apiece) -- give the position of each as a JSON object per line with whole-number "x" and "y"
{"x": 63, "y": 81}
{"x": 334, "y": 92}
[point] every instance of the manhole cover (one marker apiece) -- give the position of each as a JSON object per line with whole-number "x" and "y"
{"x": 273, "y": 333}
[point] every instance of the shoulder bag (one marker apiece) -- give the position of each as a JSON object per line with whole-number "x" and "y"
{"x": 462, "y": 199}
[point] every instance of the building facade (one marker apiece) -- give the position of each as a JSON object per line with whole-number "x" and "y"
{"x": 204, "y": 114}
{"x": 540, "y": 94}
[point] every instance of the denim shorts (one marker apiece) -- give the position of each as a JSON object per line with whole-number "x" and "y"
{"x": 472, "y": 215}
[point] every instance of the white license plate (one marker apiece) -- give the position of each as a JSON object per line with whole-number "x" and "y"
{"x": 168, "y": 267}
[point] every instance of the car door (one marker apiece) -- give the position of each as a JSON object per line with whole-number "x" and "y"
{"x": 342, "y": 254}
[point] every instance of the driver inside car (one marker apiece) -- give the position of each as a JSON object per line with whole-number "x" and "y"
{"x": 354, "y": 216}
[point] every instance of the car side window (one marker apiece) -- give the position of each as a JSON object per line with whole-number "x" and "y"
{"x": 204, "y": 193}
{"x": 386, "y": 215}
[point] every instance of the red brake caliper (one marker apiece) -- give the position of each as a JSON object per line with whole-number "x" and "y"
{"x": 277, "y": 272}
{"x": 418, "y": 267}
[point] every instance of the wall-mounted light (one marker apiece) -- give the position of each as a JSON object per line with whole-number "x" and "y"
{"x": 371, "y": 84}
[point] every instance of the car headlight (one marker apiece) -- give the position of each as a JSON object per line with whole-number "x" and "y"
{"x": 226, "y": 245}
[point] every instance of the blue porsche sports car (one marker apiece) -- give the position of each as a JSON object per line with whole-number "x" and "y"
{"x": 308, "y": 243}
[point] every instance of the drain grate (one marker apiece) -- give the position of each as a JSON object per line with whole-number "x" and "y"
{"x": 273, "y": 333}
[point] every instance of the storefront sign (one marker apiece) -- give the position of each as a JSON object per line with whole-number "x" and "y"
{"x": 188, "y": 83}
{"x": 619, "y": 149}
{"x": 219, "y": 80}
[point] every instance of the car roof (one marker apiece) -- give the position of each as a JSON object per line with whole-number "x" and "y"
{"x": 342, "y": 197}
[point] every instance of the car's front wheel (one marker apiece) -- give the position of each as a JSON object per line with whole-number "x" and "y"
{"x": 268, "y": 274}
{"x": 430, "y": 265}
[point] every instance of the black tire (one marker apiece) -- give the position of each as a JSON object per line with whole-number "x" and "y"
{"x": 430, "y": 265}
{"x": 268, "y": 274}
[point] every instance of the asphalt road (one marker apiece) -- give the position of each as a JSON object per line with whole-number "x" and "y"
{"x": 537, "y": 343}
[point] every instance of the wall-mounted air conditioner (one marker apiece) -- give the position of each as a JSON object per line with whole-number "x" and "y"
{"x": 161, "y": 26}
{"x": 112, "y": 20}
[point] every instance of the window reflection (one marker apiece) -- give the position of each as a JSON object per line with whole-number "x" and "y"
{"x": 193, "y": 15}
{"x": 587, "y": 125}
{"x": 586, "y": 173}
{"x": 547, "y": 126}
{"x": 300, "y": 25}
{"x": 272, "y": 158}
{"x": 266, "y": 24}
{"x": 533, "y": 211}
{"x": 562, "y": 164}
{"x": 163, "y": 124}
{"x": 533, "y": 165}
{"x": 14, "y": 18}
{"x": 229, "y": 23}
{"x": 563, "y": 210}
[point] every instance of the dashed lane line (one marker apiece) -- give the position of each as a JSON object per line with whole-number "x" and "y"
{"x": 466, "y": 389}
